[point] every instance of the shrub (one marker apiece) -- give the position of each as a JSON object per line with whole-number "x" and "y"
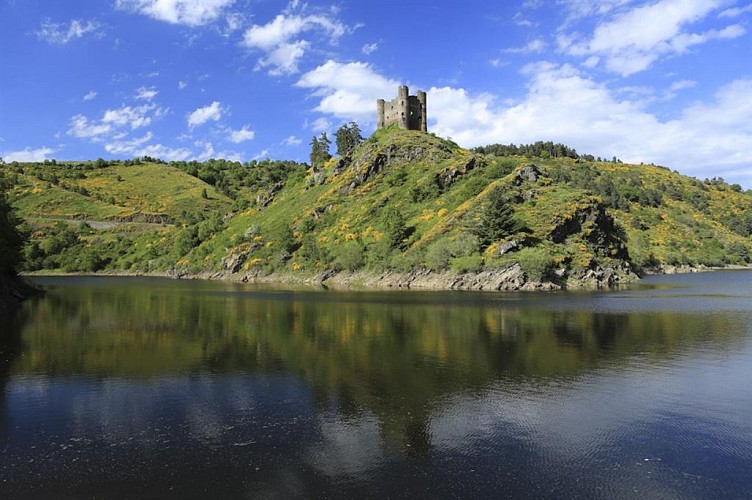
{"x": 536, "y": 262}
{"x": 438, "y": 255}
{"x": 469, "y": 264}
{"x": 349, "y": 257}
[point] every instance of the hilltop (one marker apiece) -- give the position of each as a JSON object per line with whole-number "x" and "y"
{"x": 403, "y": 209}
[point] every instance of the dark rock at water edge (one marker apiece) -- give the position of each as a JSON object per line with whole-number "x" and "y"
{"x": 14, "y": 290}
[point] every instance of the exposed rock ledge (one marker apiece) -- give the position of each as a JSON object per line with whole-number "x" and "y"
{"x": 512, "y": 278}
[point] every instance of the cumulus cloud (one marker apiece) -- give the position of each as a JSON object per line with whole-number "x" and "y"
{"x": 28, "y": 154}
{"x": 281, "y": 39}
{"x": 348, "y": 90}
{"x": 114, "y": 121}
{"x": 132, "y": 116}
{"x": 182, "y": 85}
{"x": 128, "y": 146}
{"x": 242, "y": 135}
{"x": 292, "y": 141}
{"x": 60, "y": 33}
{"x": 81, "y": 127}
{"x": 90, "y": 95}
{"x": 632, "y": 41}
{"x": 186, "y": 12}
{"x": 212, "y": 112}
{"x": 564, "y": 105}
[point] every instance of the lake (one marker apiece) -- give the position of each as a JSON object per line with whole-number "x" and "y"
{"x": 153, "y": 388}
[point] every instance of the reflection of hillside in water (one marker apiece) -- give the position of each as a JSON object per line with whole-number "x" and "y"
{"x": 395, "y": 361}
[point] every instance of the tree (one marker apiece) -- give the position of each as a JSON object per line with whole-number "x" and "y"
{"x": 395, "y": 227}
{"x": 320, "y": 150}
{"x": 497, "y": 218}
{"x": 11, "y": 240}
{"x": 347, "y": 138}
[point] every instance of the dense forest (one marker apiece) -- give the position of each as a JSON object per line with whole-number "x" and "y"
{"x": 398, "y": 201}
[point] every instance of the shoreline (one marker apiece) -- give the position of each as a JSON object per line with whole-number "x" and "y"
{"x": 14, "y": 289}
{"x": 510, "y": 279}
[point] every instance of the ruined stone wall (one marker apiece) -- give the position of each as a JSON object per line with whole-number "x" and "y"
{"x": 408, "y": 112}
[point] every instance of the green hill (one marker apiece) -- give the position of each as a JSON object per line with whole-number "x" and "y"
{"x": 403, "y": 204}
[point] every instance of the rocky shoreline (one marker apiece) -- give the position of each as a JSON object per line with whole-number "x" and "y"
{"x": 510, "y": 279}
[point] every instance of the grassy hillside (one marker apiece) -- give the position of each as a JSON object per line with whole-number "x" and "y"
{"x": 402, "y": 201}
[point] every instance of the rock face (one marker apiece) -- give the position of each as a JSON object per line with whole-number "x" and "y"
{"x": 600, "y": 229}
{"x": 530, "y": 173}
{"x": 509, "y": 279}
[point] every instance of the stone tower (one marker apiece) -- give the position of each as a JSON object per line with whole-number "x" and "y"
{"x": 407, "y": 111}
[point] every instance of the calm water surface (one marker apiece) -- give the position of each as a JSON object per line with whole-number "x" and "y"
{"x": 149, "y": 388}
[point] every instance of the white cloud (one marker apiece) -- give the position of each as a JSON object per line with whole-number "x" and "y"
{"x": 182, "y": 85}
{"x": 284, "y": 58}
{"x": 114, "y": 121}
{"x": 233, "y": 22}
{"x": 81, "y": 127}
{"x": 263, "y": 155}
{"x": 632, "y": 41}
{"x": 369, "y": 48}
{"x": 128, "y": 146}
{"x": 208, "y": 151}
{"x": 90, "y": 95}
{"x": 348, "y": 90}
{"x": 563, "y": 105}
{"x": 146, "y": 93}
{"x": 292, "y": 141}
{"x": 578, "y": 9}
{"x": 280, "y": 39}
{"x": 533, "y": 46}
{"x": 132, "y": 116}
{"x": 202, "y": 115}
{"x": 59, "y": 34}
{"x": 321, "y": 124}
{"x": 186, "y": 12}
{"x": 138, "y": 147}
{"x": 238, "y": 136}
{"x": 28, "y": 154}
{"x": 736, "y": 11}
{"x": 682, "y": 84}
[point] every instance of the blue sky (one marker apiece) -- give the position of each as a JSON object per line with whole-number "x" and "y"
{"x": 666, "y": 82}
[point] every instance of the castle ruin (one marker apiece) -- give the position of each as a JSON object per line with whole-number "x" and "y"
{"x": 407, "y": 111}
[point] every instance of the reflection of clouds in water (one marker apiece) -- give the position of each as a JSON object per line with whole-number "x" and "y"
{"x": 625, "y": 426}
{"x": 29, "y": 386}
{"x": 351, "y": 447}
{"x": 206, "y": 408}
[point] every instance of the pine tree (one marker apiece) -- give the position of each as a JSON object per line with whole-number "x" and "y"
{"x": 497, "y": 218}
{"x": 347, "y": 138}
{"x": 320, "y": 150}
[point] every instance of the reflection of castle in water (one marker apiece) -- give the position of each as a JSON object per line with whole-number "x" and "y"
{"x": 392, "y": 359}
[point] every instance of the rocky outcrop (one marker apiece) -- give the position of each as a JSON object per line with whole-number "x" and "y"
{"x": 599, "y": 228}
{"x": 606, "y": 276}
{"x": 530, "y": 173}
{"x": 510, "y": 279}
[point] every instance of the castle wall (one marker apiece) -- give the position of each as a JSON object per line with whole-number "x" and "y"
{"x": 408, "y": 112}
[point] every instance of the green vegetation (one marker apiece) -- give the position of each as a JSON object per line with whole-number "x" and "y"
{"x": 400, "y": 200}
{"x": 10, "y": 237}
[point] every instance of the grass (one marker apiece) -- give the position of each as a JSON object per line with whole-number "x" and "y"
{"x": 574, "y": 216}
